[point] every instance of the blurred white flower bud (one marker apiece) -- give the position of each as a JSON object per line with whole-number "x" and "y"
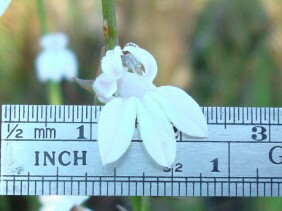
{"x": 4, "y": 5}
{"x": 61, "y": 203}
{"x": 55, "y": 61}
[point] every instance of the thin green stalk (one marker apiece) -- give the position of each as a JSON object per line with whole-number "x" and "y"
{"x": 136, "y": 202}
{"x": 54, "y": 92}
{"x": 42, "y": 16}
{"x": 5, "y": 203}
{"x": 111, "y": 40}
{"x": 140, "y": 203}
{"x": 145, "y": 206}
{"x": 109, "y": 25}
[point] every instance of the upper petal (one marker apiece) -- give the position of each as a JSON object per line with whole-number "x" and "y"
{"x": 182, "y": 110}
{"x": 156, "y": 131}
{"x": 145, "y": 58}
{"x": 111, "y": 63}
{"x": 115, "y": 128}
{"x": 4, "y": 5}
{"x": 54, "y": 41}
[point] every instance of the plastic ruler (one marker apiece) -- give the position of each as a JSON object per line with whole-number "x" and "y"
{"x": 52, "y": 150}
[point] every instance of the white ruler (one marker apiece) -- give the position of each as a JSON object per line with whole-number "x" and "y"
{"x": 52, "y": 150}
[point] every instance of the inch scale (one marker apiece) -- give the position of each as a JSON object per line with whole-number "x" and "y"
{"x": 52, "y": 150}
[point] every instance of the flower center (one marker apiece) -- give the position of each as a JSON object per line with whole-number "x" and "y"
{"x": 133, "y": 64}
{"x": 132, "y": 83}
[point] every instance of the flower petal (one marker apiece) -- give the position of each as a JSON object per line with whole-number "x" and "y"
{"x": 115, "y": 128}
{"x": 156, "y": 131}
{"x": 46, "y": 67}
{"x": 56, "y": 65}
{"x": 69, "y": 64}
{"x": 145, "y": 58}
{"x": 182, "y": 110}
{"x": 104, "y": 99}
{"x": 104, "y": 86}
{"x": 111, "y": 64}
{"x": 4, "y": 5}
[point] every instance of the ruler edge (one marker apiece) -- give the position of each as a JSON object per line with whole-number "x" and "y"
{"x": 203, "y": 108}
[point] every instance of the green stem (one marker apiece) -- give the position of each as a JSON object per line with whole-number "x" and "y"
{"x": 136, "y": 202}
{"x": 42, "y": 16}
{"x": 5, "y": 203}
{"x": 145, "y": 203}
{"x": 109, "y": 25}
{"x": 140, "y": 203}
{"x": 54, "y": 92}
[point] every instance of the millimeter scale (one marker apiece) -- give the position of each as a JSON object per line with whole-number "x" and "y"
{"x": 53, "y": 150}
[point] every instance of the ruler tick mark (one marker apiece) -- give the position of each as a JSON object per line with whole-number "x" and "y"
{"x": 93, "y": 188}
{"x": 42, "y": 185}
{"x": 115, "y": 180}
{"x": 14, "y": 111}
{"x": 200, "y": 184}
{"x": 85, "y": 187}
{"x": 57, "y": 181}
{"x": 10, "y": 112}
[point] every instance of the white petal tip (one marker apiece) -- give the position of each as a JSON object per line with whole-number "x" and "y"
{"x": 200, "y": 133}
{"x": 204, "y": 129}
{"x": 166, "y": 163}
{"x": 203, "y": 133}
{"x": 105, "y": 161}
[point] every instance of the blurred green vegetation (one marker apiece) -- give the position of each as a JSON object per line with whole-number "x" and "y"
{"x": 223, "y": 52}
{"x": 231, "y": 55}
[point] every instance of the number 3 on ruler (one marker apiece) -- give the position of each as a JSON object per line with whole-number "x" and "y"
{"x": 259, "y": 133}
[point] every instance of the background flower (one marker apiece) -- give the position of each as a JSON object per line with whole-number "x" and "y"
{"x": 61, "y": 203}
{"x": 4, "y": 5}
{"x": 55, "y": 61}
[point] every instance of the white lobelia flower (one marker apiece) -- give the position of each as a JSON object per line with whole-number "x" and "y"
{"x": 55, "y": 61}
{"x": 61, "y": 203}
{"x": 126, "y": 86}
{"x": 4, "y": 5}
